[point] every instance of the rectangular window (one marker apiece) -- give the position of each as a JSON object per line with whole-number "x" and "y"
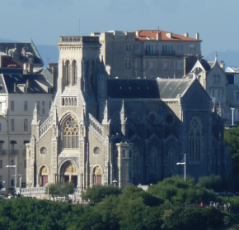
{"x": 136, "y": 46}
{"x": 192, "y": 48}
{"x": 166, "y": 65}
{"x": 43, "y": 111}
{"x": 43, "y": 103}
{"x": 23, "y": 184}
{"x": 128, "y": 47}
{"x": 25, "y": 125}
{"x": 237, "y": 96}
{"x": 12, "y": 183}
{"x": 167, "y": 50}
{"x": 151, "y": 64}
{"x": 180, "y": 65}
{"x": 150, "y": 49}
{"x": 1, "y": 145}
{"x": 12, "y": 125}
{"x": 180, "y": 47}
{"x": 128, "y": 63}
{"x": 12, "y": 162}
{"x": 25, "y": 106}
{"x": 0, "y": 164}
{"x": 12, "y": 105}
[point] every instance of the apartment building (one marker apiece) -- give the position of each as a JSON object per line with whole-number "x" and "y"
{"x": 148, "y": 54}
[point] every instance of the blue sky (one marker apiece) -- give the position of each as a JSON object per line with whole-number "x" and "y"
{"x": 45, "y": 20}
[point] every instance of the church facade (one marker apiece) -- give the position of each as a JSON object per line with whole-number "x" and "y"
{"x": 130, "y": 131}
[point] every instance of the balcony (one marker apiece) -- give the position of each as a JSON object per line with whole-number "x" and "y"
{"x": 13, "y": 152}
{"x": 168, "y": 53}
{"x": 151, "y": 52}
{"x": 158, "y": 53}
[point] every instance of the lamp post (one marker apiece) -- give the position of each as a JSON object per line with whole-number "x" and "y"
{"x": 114, "y": 182}
{"x": 183, "y": 163}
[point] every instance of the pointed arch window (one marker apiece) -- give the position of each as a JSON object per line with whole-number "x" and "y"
{"x": 71, "y": 133}
{"x": 136, "y": 160}
{"x": 153, "y": 160}
{"x": 67, "y": 72}
{"x": 195, "y": 139}
{"x": 171, "y": 161}
{"x": 74, "y": 73}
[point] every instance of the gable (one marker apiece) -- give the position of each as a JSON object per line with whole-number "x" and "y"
{"x": 196, "y": 98}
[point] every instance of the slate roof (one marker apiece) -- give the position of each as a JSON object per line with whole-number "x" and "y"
{"x": 154, "y": 89}
{"x": 29, "y": 47}
{"x": 38, "y": 83}
{"x": 206, "y": 65}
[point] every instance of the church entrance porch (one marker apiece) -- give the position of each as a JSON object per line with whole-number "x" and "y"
{"x": 68, "y": 173}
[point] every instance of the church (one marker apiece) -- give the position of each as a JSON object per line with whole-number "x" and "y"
{"x": 102, "y": 129}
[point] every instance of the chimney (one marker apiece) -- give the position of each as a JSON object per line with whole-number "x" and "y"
{"x": 54, "y": 78}
{"x": 197, "y": 36}
{"x": 169, "y": 35}
{"x": 186, "y": 34}
{"x": 25, "y": 68}
{"x": 30, "y": 68}
{"x": 15, "y": 87}
{"x": 158, "y": 36}
{"x": 27, "y": 84}
{"x": 137, "y": 33}
{"x": 222, "y": 65}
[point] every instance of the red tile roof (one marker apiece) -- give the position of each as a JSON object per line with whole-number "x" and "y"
{"x": 151, "y": 34}
{"x": 7, "y": 62}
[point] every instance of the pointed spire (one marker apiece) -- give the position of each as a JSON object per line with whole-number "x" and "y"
{"x": 35, "y": 114}
{"x": 105, "y": 120}
{"x": 216, "y": 57}
{"x": 213, "y": 105}
{"x": 122, "y": 113}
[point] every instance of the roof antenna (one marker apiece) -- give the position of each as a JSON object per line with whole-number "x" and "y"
{"x": 158, "y": 28}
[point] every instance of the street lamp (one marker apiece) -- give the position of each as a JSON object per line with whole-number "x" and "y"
{"x": 114, "y": 182}
{"x": 13, "y": 166}
{"x": 183, "y": 163}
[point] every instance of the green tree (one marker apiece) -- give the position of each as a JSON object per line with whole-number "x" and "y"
{"x": 61, "y": 189}
{"x": 97, "y": 193}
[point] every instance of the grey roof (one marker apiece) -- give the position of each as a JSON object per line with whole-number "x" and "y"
{"x": 233, "y": 69}
{"x": 30, "y": 47}
{"x": 21, "y": 79}
{"x": 160, "y": 88}
{"x": 172, "y": 88}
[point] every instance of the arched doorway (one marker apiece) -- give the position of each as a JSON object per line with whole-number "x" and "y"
{"x": 43, "y": 176}
{"x": 68, "y": 173}
{"x": 97, "y": 175}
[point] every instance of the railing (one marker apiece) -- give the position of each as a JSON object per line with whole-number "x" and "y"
{"x": 79, "y": 39}
{"x": 157, "y": 53}
{"x": 168, "y": 52}
{"x": 69, "y": 101}
{"x": 95, "y": 127}
{"x": 151, "y": 52}
{"x": 46, "y": 125}
{"x": 13, "y": 152}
